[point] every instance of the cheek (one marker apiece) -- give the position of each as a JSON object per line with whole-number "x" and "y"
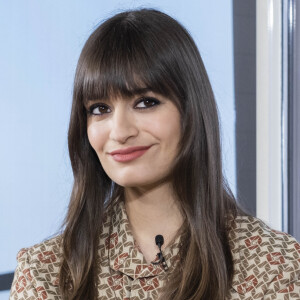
{"x": 167, "y": 127}
{"x": 96, "y": 137}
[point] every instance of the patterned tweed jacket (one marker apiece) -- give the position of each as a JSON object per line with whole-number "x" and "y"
{"x": 266, "y": 262}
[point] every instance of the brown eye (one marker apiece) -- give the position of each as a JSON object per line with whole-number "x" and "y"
{"x": 147, "y": 102}
{"x": 99, "y": 109}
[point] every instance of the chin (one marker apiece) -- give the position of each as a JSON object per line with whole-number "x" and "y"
{"x": 146, "y": 184}
{"x": 132, "y": 183}
{"x": 129, "y": 177}
{"x": 135, "y": 177}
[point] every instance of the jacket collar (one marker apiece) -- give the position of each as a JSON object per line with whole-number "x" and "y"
{"x": 125, "y": 257}
{"x": 123, "y": 253}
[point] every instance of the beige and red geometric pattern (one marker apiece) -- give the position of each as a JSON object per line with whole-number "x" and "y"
{"x": 266, "y": 264}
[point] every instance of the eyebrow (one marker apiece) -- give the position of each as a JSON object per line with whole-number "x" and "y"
{"x": 136, "y": 92}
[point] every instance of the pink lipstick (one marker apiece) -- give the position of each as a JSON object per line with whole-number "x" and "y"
{"x": 127, "y": 154}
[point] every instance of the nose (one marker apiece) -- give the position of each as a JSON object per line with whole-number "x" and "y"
{"x": 123, "y": 125}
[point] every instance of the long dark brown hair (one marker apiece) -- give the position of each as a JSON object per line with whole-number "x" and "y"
{"x": 148, "y": 49}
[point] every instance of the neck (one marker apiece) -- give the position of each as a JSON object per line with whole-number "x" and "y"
{"x": 153, "y": 212}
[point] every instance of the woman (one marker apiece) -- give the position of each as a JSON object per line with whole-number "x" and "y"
{"x": 150, "y": 215}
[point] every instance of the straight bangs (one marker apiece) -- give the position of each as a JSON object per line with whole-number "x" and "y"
{"x": 119, "y": 62}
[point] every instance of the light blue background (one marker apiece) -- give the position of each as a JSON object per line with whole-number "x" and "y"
{"x": 40, "y": 45}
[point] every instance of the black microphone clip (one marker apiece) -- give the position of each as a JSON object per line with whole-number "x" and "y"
{"x": 159, "y": 241}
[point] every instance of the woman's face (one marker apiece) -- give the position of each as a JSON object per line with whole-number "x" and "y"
{"x": 149, "y": 120}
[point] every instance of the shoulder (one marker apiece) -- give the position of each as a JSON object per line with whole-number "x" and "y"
{"x": 251, "y": 233}
{"x": 37, "y": 273}
{"x": 266, "y": 261}
{"x": 46, "y": 255}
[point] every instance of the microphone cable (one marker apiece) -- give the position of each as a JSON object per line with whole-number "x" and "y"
{"x": 159, "y": 241}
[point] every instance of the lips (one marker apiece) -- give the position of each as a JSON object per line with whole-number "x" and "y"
{"x": 129, "y": 150}
{"x": 128, "y": 154}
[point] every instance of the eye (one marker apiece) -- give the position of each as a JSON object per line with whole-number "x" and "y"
{"x": 147, "y": 102}
{"x": 98, "y": 109}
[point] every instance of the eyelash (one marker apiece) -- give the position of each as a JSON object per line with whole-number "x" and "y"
{"x": 143, "y": 99}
